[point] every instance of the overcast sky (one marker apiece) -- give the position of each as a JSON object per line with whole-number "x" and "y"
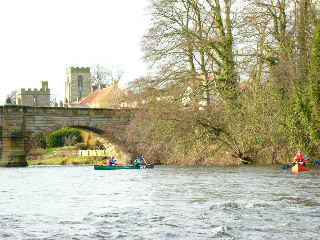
{"x": 40, "y": 38}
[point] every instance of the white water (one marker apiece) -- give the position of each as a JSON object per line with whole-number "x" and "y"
{"x": 161, "y": 203}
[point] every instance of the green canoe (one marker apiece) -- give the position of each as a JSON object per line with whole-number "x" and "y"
{"x": 100, "y": 167}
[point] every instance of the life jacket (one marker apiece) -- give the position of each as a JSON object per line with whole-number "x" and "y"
{"x": 138, "y": 161}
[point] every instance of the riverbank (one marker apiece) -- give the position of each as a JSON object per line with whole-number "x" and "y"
{"x": 59, "y": 156}
{"x": 68, "y": 155}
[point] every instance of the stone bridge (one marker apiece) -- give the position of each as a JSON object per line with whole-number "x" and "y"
{"x": 19, "y": 125}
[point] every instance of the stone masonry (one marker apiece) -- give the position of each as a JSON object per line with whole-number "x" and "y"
{"x": 36, "y": 97}
{"x": 78, "y": 84}
{"x": 19, "y": 125}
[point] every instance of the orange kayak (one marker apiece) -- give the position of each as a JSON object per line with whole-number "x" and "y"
{"x": 299, "y": 168}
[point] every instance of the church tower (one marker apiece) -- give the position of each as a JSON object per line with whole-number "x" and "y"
{"x": 78, "y": 84}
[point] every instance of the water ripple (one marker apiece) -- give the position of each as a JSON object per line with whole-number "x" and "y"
{"x": 164, "y": 203}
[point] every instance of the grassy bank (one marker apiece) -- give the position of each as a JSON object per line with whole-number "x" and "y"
{"x": 59, "y": 156}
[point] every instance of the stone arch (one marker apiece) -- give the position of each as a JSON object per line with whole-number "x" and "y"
{"x": 119, "y": 148}
{"x": 0, "y": 139}
{"x": 22, "y": 123}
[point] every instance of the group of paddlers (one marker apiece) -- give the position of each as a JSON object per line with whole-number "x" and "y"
{"x": 139, "y": 161}
{"x": 299, "y": 159}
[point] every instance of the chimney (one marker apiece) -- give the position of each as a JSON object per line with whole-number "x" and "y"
{"x": 102, "y": 86}
{"x": 116, "y": 84}
{"x": 93, "y": 88}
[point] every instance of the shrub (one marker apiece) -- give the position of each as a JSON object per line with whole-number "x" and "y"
{"x": 57, "y": 138}
{"x": 70, "y": 140}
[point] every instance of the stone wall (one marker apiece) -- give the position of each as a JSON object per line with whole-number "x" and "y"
{"x": 21, "y": 124}
{"x": 73, "y": 92}
{"x": 34, "y": 97}
{"x": 1, "y": 110}
{"x": 0, "y": 143}
{"x": 0, "y": 134}
{"x": 13, "y": 153}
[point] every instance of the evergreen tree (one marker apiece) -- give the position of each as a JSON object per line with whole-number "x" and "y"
{"x": 8, "y": 100}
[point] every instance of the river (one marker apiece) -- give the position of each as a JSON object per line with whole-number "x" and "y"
{"x": 225, "y": 203}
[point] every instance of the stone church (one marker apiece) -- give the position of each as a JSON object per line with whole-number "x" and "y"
{"x": 34, "y": 97}
{"x": 77, "y": 87}
{"x": 77, "y": 84}
{"x": 79, "y": 92}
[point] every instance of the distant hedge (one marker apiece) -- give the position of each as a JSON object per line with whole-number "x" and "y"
{"x": 57, "y": 138}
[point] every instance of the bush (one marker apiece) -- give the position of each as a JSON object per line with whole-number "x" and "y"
{"x": 57, "y": 138}
{"x": 70, "y": 140}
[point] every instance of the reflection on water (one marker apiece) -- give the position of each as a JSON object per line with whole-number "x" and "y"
{"x": 162, "y": 203}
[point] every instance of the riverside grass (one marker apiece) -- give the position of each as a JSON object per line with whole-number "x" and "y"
{"x": 64, "y": 155}
{"x": 60, "y": 156}
{"x": 50, "y": 151}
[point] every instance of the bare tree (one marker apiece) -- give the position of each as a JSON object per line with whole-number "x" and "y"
{"x": 102, "y": 75}
{"x": 191, "y": 43}
{"x": 114, "y": 76}
{"x": 99, "y": 75}
{"x": 282, "y": 31}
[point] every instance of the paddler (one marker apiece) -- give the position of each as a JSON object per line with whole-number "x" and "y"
{"x": 137, "y": 162}
{"x": 300, "y": 159}
{"x": 112, "y": 161}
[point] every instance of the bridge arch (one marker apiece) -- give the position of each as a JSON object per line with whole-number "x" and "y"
{"x": 112, "y": 145}
{"x": 22, "y": 123}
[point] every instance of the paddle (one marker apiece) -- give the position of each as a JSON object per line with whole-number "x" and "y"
{"x": 291, "y": 164}
{"x": 287, "y": 166}
{"x": 147, "y": 162}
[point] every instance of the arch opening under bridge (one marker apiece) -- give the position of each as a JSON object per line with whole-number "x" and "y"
{"x": 20, "y": 124}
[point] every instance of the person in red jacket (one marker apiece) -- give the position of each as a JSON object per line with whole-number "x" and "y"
{"x": 300, "y": 159}
{"x": 112, "y": 161}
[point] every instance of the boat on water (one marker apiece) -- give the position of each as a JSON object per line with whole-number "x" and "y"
{"x": 299, "y": 168}
{"x": 119, "y": 167}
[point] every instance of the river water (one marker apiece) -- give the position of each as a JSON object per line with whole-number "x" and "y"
{"x": 226, "y": 203}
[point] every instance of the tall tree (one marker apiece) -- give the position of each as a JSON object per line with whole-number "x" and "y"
{"x": 304, "y": 25}
{"x": 192, "y": 43}
{"x": 314, "y": 83}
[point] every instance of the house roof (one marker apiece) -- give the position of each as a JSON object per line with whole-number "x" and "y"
{"x": 102, "y": 97}
{"x": 92, "y": 97}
